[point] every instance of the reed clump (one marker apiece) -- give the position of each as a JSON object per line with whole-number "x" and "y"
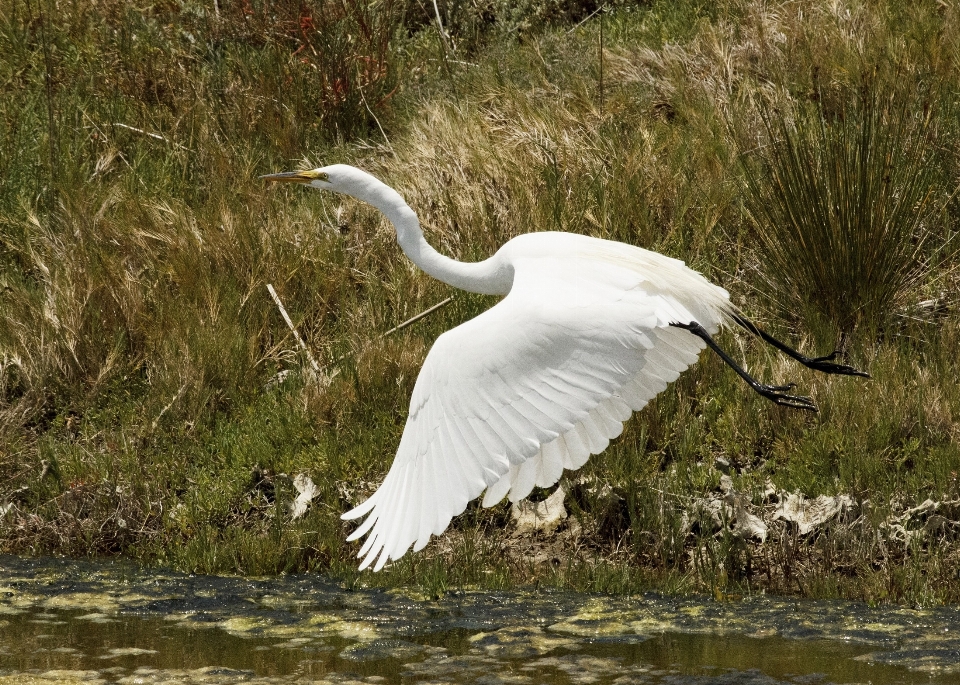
{"x": 849, "y": 200}
{"x": 147, "y": 376}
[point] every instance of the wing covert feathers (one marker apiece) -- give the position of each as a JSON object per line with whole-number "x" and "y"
{"x": 532, "y": 387}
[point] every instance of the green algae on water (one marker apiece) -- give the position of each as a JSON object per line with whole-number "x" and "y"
{"x": 171, "y": 628}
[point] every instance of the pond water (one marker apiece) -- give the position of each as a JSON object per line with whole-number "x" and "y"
{"x": 78, "y": 622}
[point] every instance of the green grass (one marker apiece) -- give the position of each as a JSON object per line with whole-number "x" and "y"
{"x": 141, "y": 411}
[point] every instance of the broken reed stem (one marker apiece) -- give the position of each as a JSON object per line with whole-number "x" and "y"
{"x": 53, "y": 142}
{"x": 163, "y": 411}
{"x": 444, "y": 44}
{"x": 400, "y": 327}
{"x": 382, "y": 132}
{"x": 416, "y": 318}
{"x": 602, "y": 8}
{"x": 443, "y": 33}
{"x": 155, "y": 136}
{"x": 585, "y": 20}
{"x": 286, "y": 317}
{"x": 303, "y": 345}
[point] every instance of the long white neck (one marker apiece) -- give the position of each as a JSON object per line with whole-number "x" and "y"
{"x": 489, "y": 277}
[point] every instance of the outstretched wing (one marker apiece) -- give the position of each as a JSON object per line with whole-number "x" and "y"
{"x": 673, "y": 351}
{"x": 531, "y": 386}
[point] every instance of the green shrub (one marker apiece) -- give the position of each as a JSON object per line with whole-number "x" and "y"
{"x": 844, "y": 200}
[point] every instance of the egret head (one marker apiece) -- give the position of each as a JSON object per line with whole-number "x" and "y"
{"x": 340, "y": 178}
{"x": 343, "y": 178}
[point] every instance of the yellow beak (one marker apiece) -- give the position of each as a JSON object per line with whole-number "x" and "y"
{"x": 291, "y": 177}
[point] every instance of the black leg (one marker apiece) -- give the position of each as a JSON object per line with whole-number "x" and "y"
{"x": 774, "y": 393}
{"x": 824, "y": 364}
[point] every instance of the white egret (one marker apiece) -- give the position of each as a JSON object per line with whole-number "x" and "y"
{"x": 588, "y": 332}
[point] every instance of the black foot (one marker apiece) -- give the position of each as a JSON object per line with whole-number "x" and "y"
{"x": 780, "y": 388}
{"x": 824, "y": 364}
{"x": 775, "y": 393}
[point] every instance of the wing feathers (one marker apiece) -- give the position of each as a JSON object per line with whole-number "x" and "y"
{"x": 577, "y": 449}
{"x": 524, "y": 481}
{"x": 618, "y": 409}
{"x": 419, "y": 530}
{"x": 551, "y": 464}
{"x": 402, "y": 506}
{"x": 498, "y": 490}
{"x": 362, "y": 528}
{"x": 428, "y": 489}
{"x": 517, "y": 447}
{"x": 507, "y": 401}
{"x": 361, "y": 509}
{"x": 591, "y": 434}
{"x": 607, "y": 423}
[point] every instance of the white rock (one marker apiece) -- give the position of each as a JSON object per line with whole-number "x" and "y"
{"x": 307, "y": 491}
{"x": 543, "y": 517}
{"x": 810, "y": 514}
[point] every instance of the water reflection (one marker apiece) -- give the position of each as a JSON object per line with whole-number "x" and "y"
{"x": 64, "y": 621}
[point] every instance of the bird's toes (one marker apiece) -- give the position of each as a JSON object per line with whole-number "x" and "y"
{"x": 840, "y": 369}
{"x": 826, "y": 358}
{"x": 781, "y": 388}
{"x": 777, "y": 395}
{"x": 796, "y": 402}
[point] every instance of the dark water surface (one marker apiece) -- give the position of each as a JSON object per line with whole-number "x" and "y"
{"x": 72, "y": 622}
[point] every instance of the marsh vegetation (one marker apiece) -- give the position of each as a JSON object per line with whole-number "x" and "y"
{"x": 154, "y": 404}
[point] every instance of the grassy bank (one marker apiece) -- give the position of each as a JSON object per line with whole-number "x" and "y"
{"x": 153, "y": 403}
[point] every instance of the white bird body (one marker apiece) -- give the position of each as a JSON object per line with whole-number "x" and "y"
{"x": 539, "y": 382}
{"x": 534, "y": 385}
